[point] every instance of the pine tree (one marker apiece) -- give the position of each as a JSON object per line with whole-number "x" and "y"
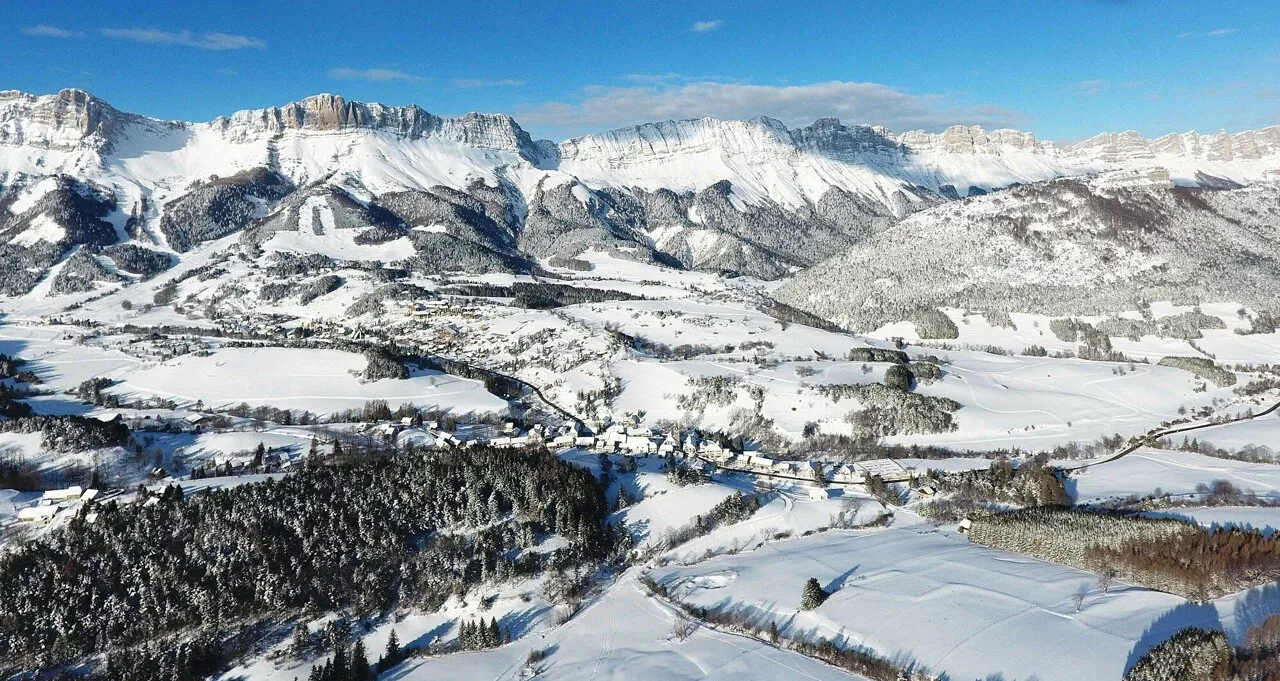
{"x": 465, "y": 635}
{"x": 393, "y": 647}
{"x": 340, "y": 669}
{"x": 813, "y": 595}
{"x": 359, "y": 670}
{"x": 301, "y": 638}
{"x": 390, "y": 655}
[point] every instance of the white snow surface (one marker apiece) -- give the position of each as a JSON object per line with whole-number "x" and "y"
{"x": 929, "y": 597}
{"x": 1172, "y": 471}
{"x": 321, "y": 381}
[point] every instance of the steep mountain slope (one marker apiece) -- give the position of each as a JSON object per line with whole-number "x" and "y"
{"x": 1059, "y": 247}
{"x": 43, "y": 220}
{"x": 477, "y": 193}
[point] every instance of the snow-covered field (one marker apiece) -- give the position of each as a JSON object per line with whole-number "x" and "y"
{"x": 627, "y": 635}
{"x": 930, "y": 598}
{"x": 1265, "y": 519}
{"x": 1171, "y": 471}
{"x": 1264, "y": 431}
{"x": 55, "y": 356}
{"x": 321, "y": 381}
{"x": 622, "y": 635}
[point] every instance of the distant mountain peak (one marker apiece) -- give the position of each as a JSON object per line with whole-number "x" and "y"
{"x": 327, "y": 112}
{"x": 61, "y": 121}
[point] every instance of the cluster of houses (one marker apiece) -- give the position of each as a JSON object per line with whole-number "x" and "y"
{"x": 636, "y": 440}
{"x": 430, "y": 307}
{"x": 627, "y": 438}
{"x": 177, "y": 422}
{"x": 508, "y": 436}
{"x": 889, "y": 470}
{"x": 56, "y": 501}
{"x": 631, "y": 439}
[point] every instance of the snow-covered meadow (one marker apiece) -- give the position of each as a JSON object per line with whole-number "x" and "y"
{"x": 321, "y": 381}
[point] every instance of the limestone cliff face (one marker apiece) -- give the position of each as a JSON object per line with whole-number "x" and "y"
{"x": 66, "y": 121}
{"x": 639, "y": 143}
{"x": 960, "y": 139}
{"x": 767, "y": 136}
{"x": 328, "y": 113}
{"x": 1115, "y": 147}
{"x": 76, "y": 120}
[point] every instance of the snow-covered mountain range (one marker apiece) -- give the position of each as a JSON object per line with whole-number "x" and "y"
{"x": 477, "y": 192}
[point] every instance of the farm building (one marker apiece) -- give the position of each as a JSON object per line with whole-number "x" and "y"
{"x": 38, "y": 514}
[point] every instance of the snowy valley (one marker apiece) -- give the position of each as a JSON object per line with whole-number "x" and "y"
{"x": 339, "y": 385}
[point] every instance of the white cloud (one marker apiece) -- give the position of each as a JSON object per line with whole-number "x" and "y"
{"x": 372, "y": 74}
{"x": 47, "y": 31}
{"x": 1220, "y": 32}
{"x": 480, "y": 82}
{"x": 869, "y": 103}
{"x": 704, "y": 26}
{"x": 204, "y": 41}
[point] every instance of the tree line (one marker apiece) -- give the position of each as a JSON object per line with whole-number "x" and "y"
{"x": 1160, "y": 553}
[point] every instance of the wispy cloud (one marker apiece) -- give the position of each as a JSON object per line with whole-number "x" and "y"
{"x": 704, "y": 26}
{"x": 47, "y": 31}
{"x": 871, "y": 103}
{"x": 653, "y": 77}
{"x": 481, "y": 82}
{"x": 377, "y": 75}
{"x": 203, "y": 41}
{"x": 1089, "y": 87}
{"x": 228, "y": 71}
{"x": 1215, "y": 33}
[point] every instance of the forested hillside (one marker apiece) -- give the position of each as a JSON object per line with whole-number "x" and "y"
{"x": 363, "y": 536}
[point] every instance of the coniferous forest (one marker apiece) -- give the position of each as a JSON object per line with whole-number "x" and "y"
{"x": 1160, "y": 553}
{"x": 362, "y": 536}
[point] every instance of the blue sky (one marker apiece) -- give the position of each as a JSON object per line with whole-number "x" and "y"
{"x": 1064, "y": 69}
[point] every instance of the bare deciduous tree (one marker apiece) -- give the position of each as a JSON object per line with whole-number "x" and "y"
{"x": 1077, "y": 599}
{"x": 682, "y": 626}
{"x": 1105, "y": 577}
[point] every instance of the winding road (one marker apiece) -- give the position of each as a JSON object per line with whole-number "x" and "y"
{"x": 1138, "y": 442}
